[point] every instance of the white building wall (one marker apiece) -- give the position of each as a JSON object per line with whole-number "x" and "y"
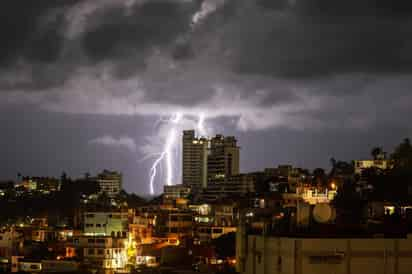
{"x": 105, "y": 223}
{"x": 271, "y": 255}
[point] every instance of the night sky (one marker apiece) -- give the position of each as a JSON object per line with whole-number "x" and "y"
{"x": 89, "y": 84}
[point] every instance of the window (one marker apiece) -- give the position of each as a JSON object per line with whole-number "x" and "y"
{"x": 98, "y": 225}
{"x": 218, "y": 230}
{"x": 100, "y": 251}
{"x": 90, "y": 241}
{"x": 100, "y": 241}
{"x": 326, "y": 259}
{"x": 173, "y": 218}
{"x": 89, "y": 215}
{"x": 90, "y": 251}
{"x": 173, "y": 230}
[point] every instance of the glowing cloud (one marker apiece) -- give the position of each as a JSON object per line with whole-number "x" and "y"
{"x": 121, "y": 142}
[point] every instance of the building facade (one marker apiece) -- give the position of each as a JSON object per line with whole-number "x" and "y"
{"x": 361, "y": 165}
{"x": 110, "y": 182}
{"x": 194, "y": 160}
{"x": 223, "y": 158}
{"x": 264, "y": 255}
{"x": 106, "y": 223}
{"x": 176, "y": 192}
{"x": 104, "y": 254}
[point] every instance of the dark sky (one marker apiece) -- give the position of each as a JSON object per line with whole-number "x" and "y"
{"x": 83, "y": 83}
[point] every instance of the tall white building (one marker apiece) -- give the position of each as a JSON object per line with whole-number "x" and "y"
{"x": 194, "y": 160}
{"x": 205, "y": 160}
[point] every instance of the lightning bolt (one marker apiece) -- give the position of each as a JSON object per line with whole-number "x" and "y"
{"x": 207, "y": 8}
{"x": 201, "y": 125}
{"x": 166, "y": 154}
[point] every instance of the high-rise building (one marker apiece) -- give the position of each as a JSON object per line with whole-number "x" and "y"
{"x": 194, "y": 160}
{"x": 208, "y": 160}
{"x": 223, "y": 158}
{"x": 110, "y": 182}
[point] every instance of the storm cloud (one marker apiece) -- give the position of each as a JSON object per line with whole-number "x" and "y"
{"x": 252, "y": 65}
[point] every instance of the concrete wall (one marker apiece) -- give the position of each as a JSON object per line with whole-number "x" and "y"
{"x": 274, "y": 255}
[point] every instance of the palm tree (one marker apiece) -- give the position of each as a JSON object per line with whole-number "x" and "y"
{"x": 376, "y": 151}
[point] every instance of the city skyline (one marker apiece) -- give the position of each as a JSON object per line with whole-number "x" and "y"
{"x": 84, "y": 83}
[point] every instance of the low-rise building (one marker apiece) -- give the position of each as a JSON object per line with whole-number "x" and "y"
{"x": 176, "y": 192}
{"x": 174, "y": 224}
{"x": 106, "y": 223}
{"x": 380, "y": 163}
{"x": 102, "y": 253}
{"x": 204, "y": 234}
{"x": 141, "y": 229}
{"x": 10, "y": 240}
{"x": 225, "y": 214}
{"x": 110, "y": 182}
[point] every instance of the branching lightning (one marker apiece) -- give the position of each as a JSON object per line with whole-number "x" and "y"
{"x": 171, "y": 147}
{"x": 166, "y": 154}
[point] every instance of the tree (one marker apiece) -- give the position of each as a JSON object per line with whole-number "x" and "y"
{"x": 319, "y": 177}
{"x": 63, "y": 177}
{"x": 402, "y": 156}
{"x": 87, "y": 176}
{"x": 104, "y": 200}
{"x": 341, "y": 168}
{"x": 376, "y": 151}
{"x": 348, "y": 204}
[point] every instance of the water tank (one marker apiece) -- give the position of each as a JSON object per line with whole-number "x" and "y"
{"x": 324, "y": 213}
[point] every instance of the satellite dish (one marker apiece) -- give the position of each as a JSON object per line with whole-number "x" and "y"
{"x": 324, "y": 213}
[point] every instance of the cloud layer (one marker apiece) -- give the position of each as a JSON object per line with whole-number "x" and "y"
{"x": 295, "y": 63}
{"x": 121, "y": 142}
